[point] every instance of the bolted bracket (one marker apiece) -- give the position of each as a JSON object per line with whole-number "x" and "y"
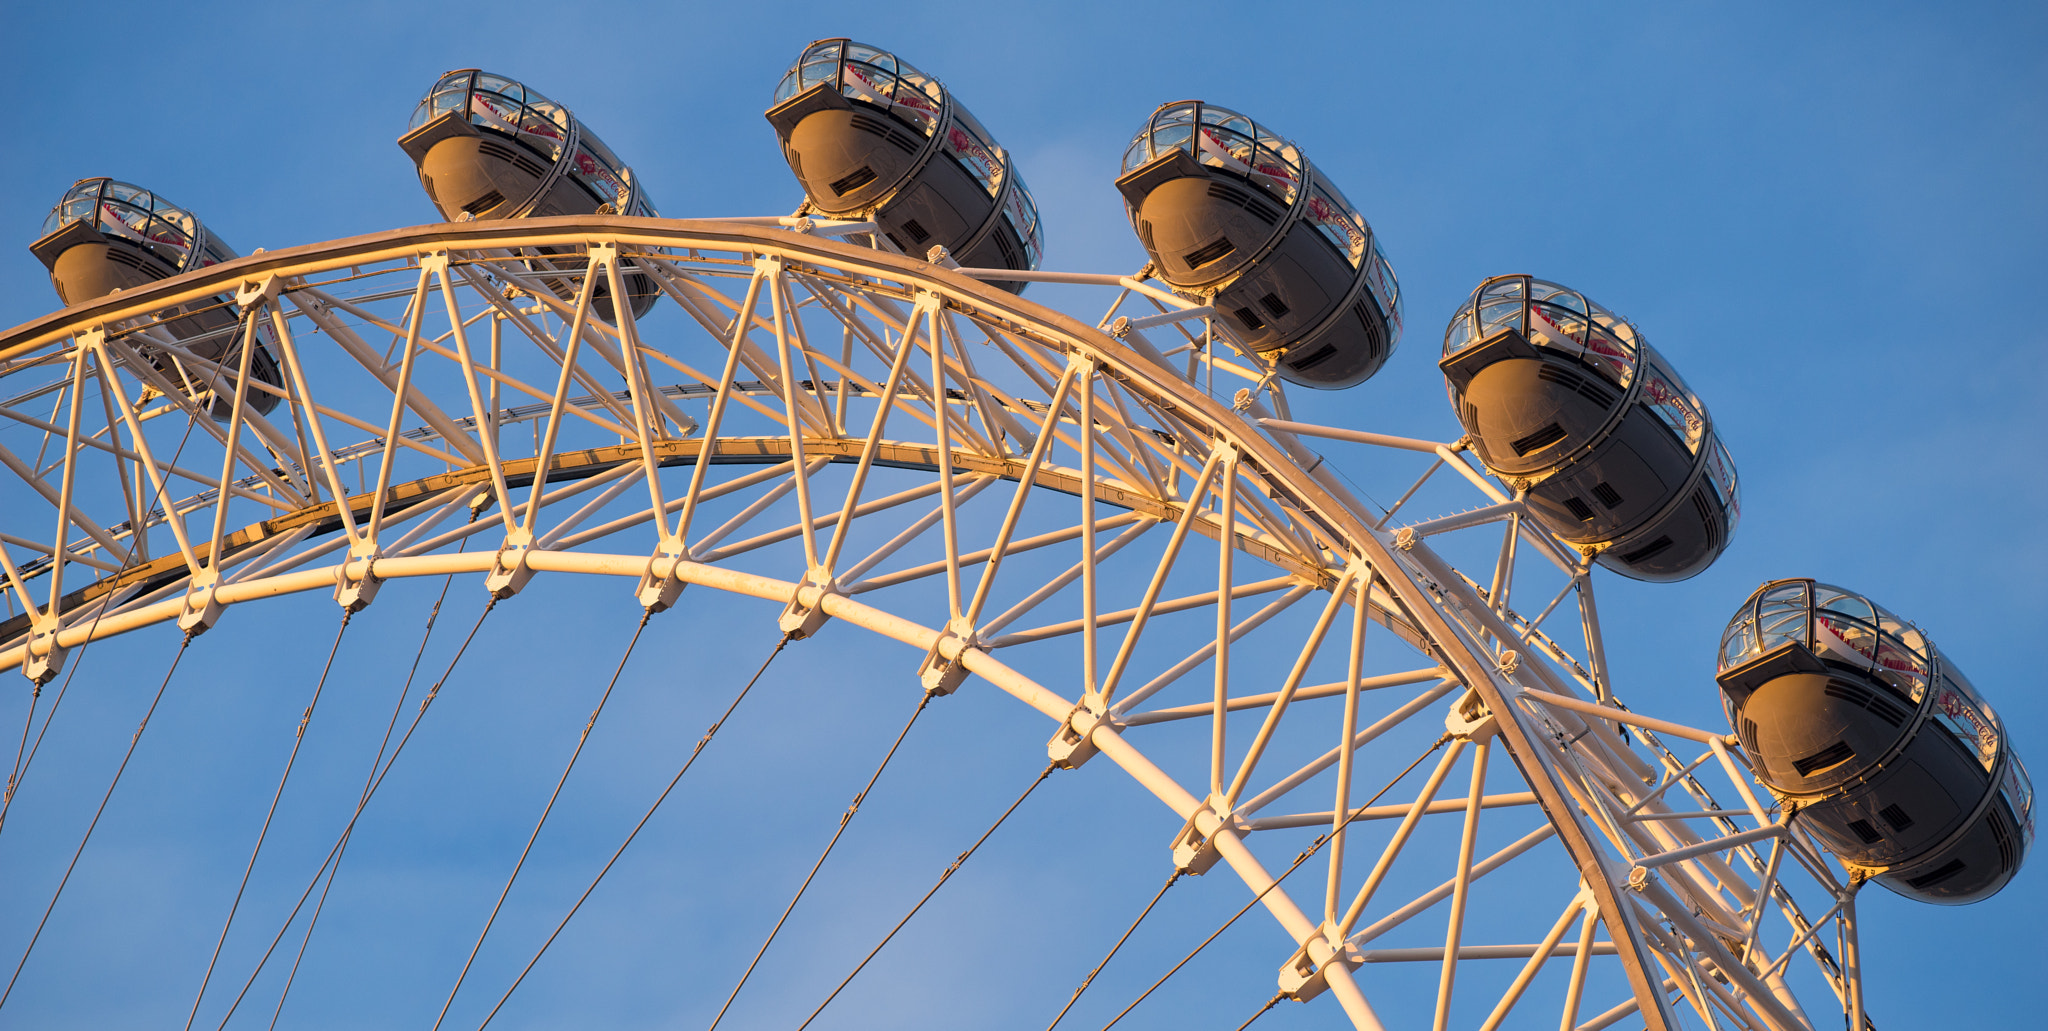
{"x": 941, "y": 672}
{"x": 1303, "y": 976}
{"x": 1194, "y": 848}
{"x": 45, "y": 657}
{"x": 202, "y": 609}
{"x": 1073, "y": 743}
{"x": 805, "y": 614}
{"x": 1471, "y": 720}
{"x": 659, "y": 587}
{"x": 255, "y": 290}
{"x": 940, "y": 256}
{"x": 355, "y": 581}
{"x": 510, "y": 572}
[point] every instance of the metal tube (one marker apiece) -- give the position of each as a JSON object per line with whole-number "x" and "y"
{"x": 1461, "y": 887}
{"x": 1537, "y": 957}
{"x": 1400, "y": 839}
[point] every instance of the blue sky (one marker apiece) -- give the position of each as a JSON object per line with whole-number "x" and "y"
{"x": 1831, "y": 218}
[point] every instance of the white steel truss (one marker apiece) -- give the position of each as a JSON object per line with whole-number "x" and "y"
{"x": 1015, "y": 495}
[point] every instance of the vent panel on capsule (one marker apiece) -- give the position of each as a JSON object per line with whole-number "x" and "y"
{"x": 1229, "y": 210}
{"x": 1889, "y": 755}
{"x": 1561, "y": 395}
{"x": 105, "y": 235}
{"x": 490, "y": 147}
{"x": 871, "y": 137}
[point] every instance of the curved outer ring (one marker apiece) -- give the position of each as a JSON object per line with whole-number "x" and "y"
{"x": 1158, "y": 385}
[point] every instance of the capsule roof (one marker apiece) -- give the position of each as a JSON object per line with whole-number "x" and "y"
{"x": 511, "y": 109}
{"x": 1225, "y": 139}
{"x": 1556, "y": 317}
{"x": 1840, "y": 625}
{"x": 145, "y": 219}
{"x": 878, "y": 77}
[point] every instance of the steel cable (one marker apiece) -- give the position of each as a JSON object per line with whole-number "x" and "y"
{"x": 635, "y": 832}
{"x": 1305, "y": 856}
{"x": 1270, "y": 1003}
{"x": 545, "y": 812}
{"x": 332, "y": 853}
{"x": 390, "y": 726}
{"x": 298, "y": 739}
{"x": 1090, "y": 979}
{"x": 94, "y": 825}
{"x": 844, "y": 819}
{"x": 943, "y": 878}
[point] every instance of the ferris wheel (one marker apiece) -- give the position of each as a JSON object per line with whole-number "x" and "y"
{"x": 1392, "y": 723}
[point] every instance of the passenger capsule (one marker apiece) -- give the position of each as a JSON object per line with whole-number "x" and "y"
{"x": 870, "y": 137}
{"x": 106, "y": 235}
{"x": 1565, "y": 398}
{"x": 1231, "y": 211}
{"x": 487, "y": 147}
{"x": 1890, "y": 756}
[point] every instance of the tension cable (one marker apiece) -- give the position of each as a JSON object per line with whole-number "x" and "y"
{"x": 950, "y": 871}
{"x": 1177, "y": 874}
{"x": 1308, "y": 853}
{"x": 844, "y": 819}
{"x": 574, "y": 754}
{"x": 390, "y": 726}
{"x": 21, "y": 764}
{"x": 101, "y": 811}
{"x": 635, "y": 832}
{"x": 298, "y": 739}
{"x": 335, "y": 851}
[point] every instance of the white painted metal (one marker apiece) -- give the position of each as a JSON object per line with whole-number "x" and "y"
{"x": 956, "y": 389}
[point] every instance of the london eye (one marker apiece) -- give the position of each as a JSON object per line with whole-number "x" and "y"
{"x": 1358, "y": 673}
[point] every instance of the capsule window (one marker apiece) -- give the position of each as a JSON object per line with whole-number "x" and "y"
{"x": 1210, "y": 253}
{"x": 1539, "y": 440}
{"x": 1972, "y": 729}
{"x": 1647, "y": 551}
{"x": 1934, "y": 877}
{"x": 1827, "y": 758}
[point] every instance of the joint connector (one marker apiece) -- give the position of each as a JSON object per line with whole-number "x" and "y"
{"x": 1121, "y": 328}
{"x": 45, "y": 656}
{"x": 941, "y": 672}
{"x": 1305, "y": 974}
{"x": 1074, "y": 744}
{"x": 1470, "y": 719}
{"x": 256, "y": 290}
{"x": 356, "y": 580}
{"x": 509, "y": 572}
{"x": 941, "y": 257}
{"x": 659, "y": 587}
{"x": 805, "y": 615}
{"x": 1194, "y": 849}
{"x": 202, "y": 609}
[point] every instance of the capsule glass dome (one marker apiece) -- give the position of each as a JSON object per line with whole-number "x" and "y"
{"x": 1228, "y": 208}
{"x": 870, "y": 136}
{"x": 116, "y": 209}
{"x": 1888, "y": 753}
{"x": 490, "y": 147}
{"x": 105, "y": 235}
{"x": 1562, "y": 396}
{"x": 510, "y": 110}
